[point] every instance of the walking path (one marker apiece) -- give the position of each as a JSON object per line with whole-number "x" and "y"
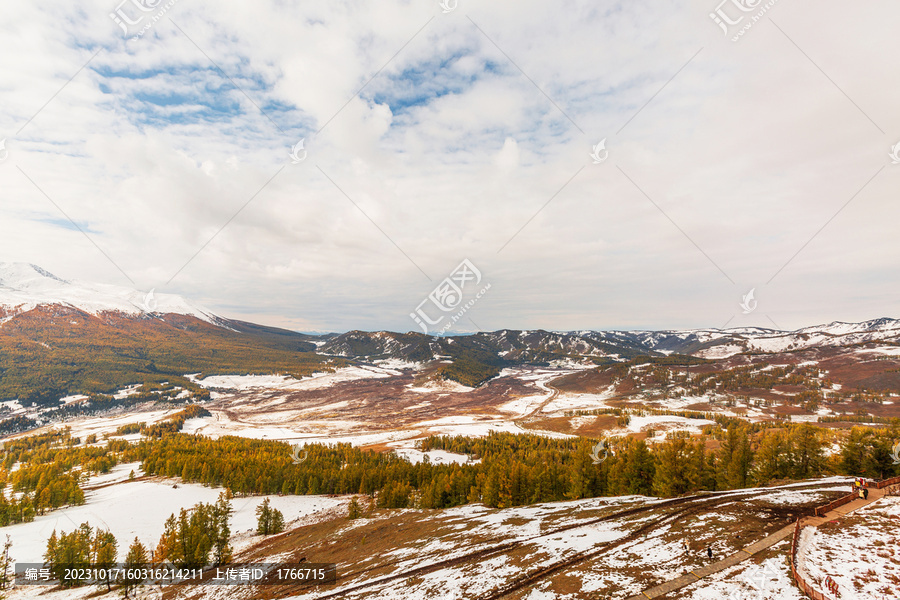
{"x": 745, "y": 553}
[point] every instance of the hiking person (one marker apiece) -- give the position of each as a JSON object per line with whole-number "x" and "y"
{"x": 865, "y": 493}
{"x": 684, "y": 546}
{"x": 709, "y": 552}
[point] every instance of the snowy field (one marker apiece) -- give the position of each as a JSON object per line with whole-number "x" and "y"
{"x": 549, "y": 533}
{"x": 770, "y": 580}
{"x": 667, "y": 423}
{"x": 545, "y": 533}
{"x": 435, "y": 457}
{"x": 862, "y": 553}
{"x": 140, "y": 508}
{"x": 565, "y": 402}
{"x": 313, "y": 382}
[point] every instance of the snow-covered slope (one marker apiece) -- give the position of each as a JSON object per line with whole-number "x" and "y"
{"x": 719, "y": 343}
{"x": 24, "y": 287}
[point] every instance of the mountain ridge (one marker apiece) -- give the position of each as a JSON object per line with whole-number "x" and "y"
{"x": 25, "y": 286}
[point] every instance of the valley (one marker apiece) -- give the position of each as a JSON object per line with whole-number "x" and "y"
{"x": 511, "y": 464}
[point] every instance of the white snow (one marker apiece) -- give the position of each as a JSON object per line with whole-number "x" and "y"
{"x": 565, "y": 402}
{"x": 140, "y": 508}
{"x": 860, "y": 553}
{"x": 443, "y": 385}
{"x": 287, "y": 383}
{"x": 667, "y": 423}
{"x": 24, "y": 287}
{"x": 886, "y": 350}
{"x": 441, "y": 457}
{"x": 71, "y": 399}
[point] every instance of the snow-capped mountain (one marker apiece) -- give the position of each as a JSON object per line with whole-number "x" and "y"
{"x": 721, "y": 343}
{"x": 544, "y": 346}
{"x": 24, "y": 287}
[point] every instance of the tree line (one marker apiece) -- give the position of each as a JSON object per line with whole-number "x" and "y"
{"x": 196, "y": 538}
{"x": 503, "y": 469}
{"x": 510, "y": 470}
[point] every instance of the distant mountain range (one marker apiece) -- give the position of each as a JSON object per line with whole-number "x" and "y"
{"x": 136, "y": 335}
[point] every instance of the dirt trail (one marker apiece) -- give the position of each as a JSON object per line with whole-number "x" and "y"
{"x": 553, "y": 394}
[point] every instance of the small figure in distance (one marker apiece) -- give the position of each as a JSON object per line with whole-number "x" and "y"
{"x": 684, "y": 546}
{"x": 865, "y": 493}
{"x": 709, "y": 552}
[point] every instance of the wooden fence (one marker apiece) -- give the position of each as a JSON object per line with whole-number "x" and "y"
{"x": 821, "y": 510}
{"x": 887, "y": 482}
{"x": 804, "y": 586}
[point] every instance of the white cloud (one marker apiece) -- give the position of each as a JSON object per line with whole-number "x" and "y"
{"x": 450, "y": 150}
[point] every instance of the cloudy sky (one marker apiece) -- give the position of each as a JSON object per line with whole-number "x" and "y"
{"x": 149, "y": 145}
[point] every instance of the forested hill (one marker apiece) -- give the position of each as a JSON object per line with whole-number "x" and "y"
{"x": 54, "y": 351}
{"x": 61, "y": 337}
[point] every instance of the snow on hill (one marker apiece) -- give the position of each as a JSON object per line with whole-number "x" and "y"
{"x": 721, "y": 343}
{"x": 24, "y": 287}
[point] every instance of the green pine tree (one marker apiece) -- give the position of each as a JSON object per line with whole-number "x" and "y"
{"x": 136, "y": 559}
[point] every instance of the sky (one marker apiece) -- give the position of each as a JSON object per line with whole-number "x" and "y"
{"x": 329, "y": 166}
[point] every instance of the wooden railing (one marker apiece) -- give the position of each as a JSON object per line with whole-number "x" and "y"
{"x": 887, "y": 482}
{"x": 821, "y": 510}
{"x": 804, "y": 586}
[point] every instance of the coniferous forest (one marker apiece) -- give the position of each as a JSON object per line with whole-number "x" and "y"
{"x": 501, "y": 469}
{"x": 509, "y": 470}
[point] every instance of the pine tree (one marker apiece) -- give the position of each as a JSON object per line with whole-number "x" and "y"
{"x": 737, "y": 465}
{"x": 263, "y": 518}
{"x": 639, "y": 469}
{"x": 806, "y": 447}
{"x": 353, "y": 511}
{"x": 5, "y": 564}
{"x": 773, "y": 459}
{"x": 277, "y": 521}
{"x": 69, "y": 550}
{"x": 269, "y": 520}
{"x": 221, "y": 514}
{"x": 103, "y": 554}
{"x": 52, "y": 554}
{"x": 676, "y": 468}
{"x": 135, "y": 560}
{"x": 166, "y": 542}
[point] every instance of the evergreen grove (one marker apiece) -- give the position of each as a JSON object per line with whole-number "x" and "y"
{"x": 504, "y": 470}
{"x": 510, "y": 470}
{"x": 195, "y": 538}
